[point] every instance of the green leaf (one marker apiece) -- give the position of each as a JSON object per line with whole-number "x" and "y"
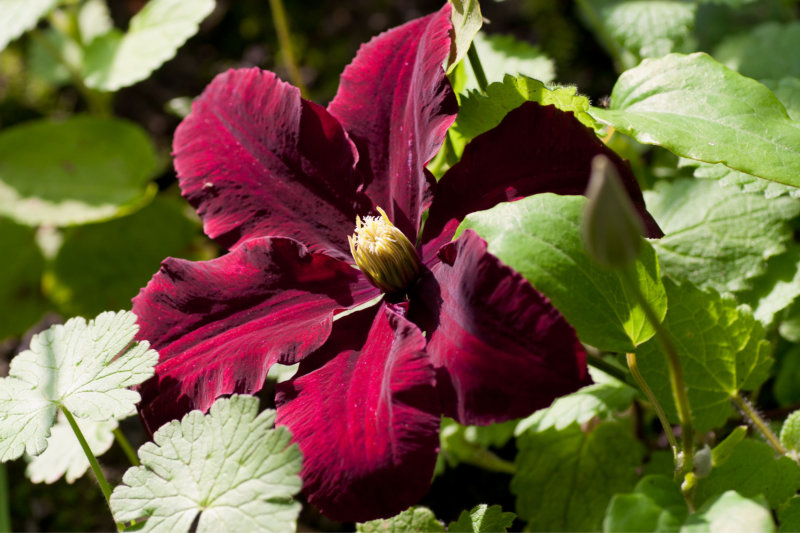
{"x": 21, "y": 300}
{"x": 51, "y": 69}
{"x": 789, "y": 516}
{"x": 732, "y": 513}
{"x": 231, "y": 467}
{"x": 721, "y": 348}
{"x": 600, "y": 400}
{"x": 716, "y": 236}
{"x": 64, "y": 455}
{"x": 413, "y": 520}
{"x": 482, "y": 519}
{"x": 19, "y": 16}
{"x": 103, "y": 266}
{"x": 656, "y": 504}
{"x": 777, "y": 288}
{"x": 117, "y": 60}
{"x": 85, "y": 368}
{"x": 752, "y": 470}
{"x": 788, "y": 92}
{"x": 479, "y": 113}
{"x": 467, "y": 20}
{"x": 94, "y": 20}
{"x": 768, "y": 51}
{"x": 745, "y": 182}
{"x": 81, "y": 170}
{"x": 651, "y": 28}
{"x": 540, "y": 238}
{"x": 790, "y": 432}
{"x": 700, "y": 109}
{"x": 503, "y": 55}
{"x": 565, "y": 478}
{"x": 787, "y": 381}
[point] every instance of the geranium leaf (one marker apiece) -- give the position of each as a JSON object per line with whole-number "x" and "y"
{"x": 788, "y": 92}
{"x": 717, "y": 236}
{"x": 790, "y": 432}
{"x": 765, "y": 52}
{"x": 734, "y": 178}
{"x": 777, "y": 288}
{"x": 467, "y": 20}
{"x": 19, "y": 16}
{"x": 64, "y": 455}
{"x": 565, "y": 478}
{"x": 21, "y": 302}
{"x": 87, "y": 169}
{"x": 722, "y": 351}
{"x": 115, "y": 60}
{"x": 540, "y": 238}
{"x": 730, "y": 512}
{"x": 600, "y": 400}
{"x": 413, "y": 520}
{"x": 103, "y": 266}
{"x": 789, "y": 516}
{"x": 84, "y": 367}
{"x": 656, "y": 504}
{"x": 503, "y": 55}
{"x": 94, "y": 20}
{"x": 700, "y": 109}
{"x": 482, "y": 519}
{"x": 230, "y": 466}
{"x": 479, "y": 113}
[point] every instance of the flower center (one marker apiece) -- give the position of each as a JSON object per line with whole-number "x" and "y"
{"x": 383, "y": 253}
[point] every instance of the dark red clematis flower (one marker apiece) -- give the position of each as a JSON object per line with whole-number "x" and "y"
{"x": 279, "y": 181}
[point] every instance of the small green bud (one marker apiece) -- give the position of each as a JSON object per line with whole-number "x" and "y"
{"x": 612, "y": 230}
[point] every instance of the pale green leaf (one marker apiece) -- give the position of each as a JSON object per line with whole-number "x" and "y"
{"x": 540, "y": 238}
{"x": 721, "y": 348}
{"x": 231, "y": 466}
{"x": 81, "y": 170}
{"x": 21, "y": 300}
{"x": 94, "y": 20}
{"x": 752, "y": 470}
{"x": 503, "y": 55}
{"x": 650, "y": 28}
{"x": 413, "y": 520}
{"x": 716, "y": 236}
{"x": 777, "y": 288}
{"x": 790, "y": 432}
{"x": 467, "y": 20}
{"x": 482, "y": 519}
{"x": 64, "y": 456}
{"x": 566, "y": 478}
{"x": 656, "y": 504}
{"x": 788, "y": 92}
{"x": 700, "y": 109}
{"x": 117, "y": 60}
{"x": 84, "y": 367}
{"x": 768, "y": 51}
{"x": 19, "y": 16}
{"x": 730, "y": 513}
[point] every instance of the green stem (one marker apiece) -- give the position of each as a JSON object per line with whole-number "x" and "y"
{"x": 662, "y": 416}
{"x": 477, "y": 68}
{"x": 485, "y": 459}
{"x": 5, "y": 511}
{"x": 99, "y": 103}
{"x": 760, "y": 424}
{"x": 676, "y": 381}
{"x": 285, "y": 42}
{"x": 98, "y": 472}
{"x": 123, "y": 442}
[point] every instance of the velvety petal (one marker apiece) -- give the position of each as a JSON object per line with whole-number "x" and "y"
{"x": 500, "y": 348}
{"x": 365, "y": 413}
{"x": 396, "y": 104}
{"x": 256, "y": 160}
{"x": 219, "y": 325}
{"x": 534, "y": 149}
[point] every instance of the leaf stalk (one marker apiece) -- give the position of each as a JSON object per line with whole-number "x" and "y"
{"x": 477, "y": 68}
{"x": 761, "y": 425}
{"x": 285, "y": 42}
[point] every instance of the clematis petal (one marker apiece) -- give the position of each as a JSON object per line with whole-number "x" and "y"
{"x": 500, "y": 348}
{"x": 396, "y": 104}
{"x": 365, "y": 413}
{"x": 256, "y": 160}
{"x": 534, "y": 149}
{"x": 219, "y": 325}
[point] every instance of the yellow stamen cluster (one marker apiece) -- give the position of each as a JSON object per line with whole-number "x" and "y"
{"x": 383, "y": 253}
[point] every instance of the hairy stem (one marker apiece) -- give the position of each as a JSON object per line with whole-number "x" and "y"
{"x": 662, "y": 416}
{"x": 285, "y": 42}
{"x": 123, "y": 442}
{"x": 477, "y": 68}
{"x": 755, "y": 418}
{"x": 98, "y": 472}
